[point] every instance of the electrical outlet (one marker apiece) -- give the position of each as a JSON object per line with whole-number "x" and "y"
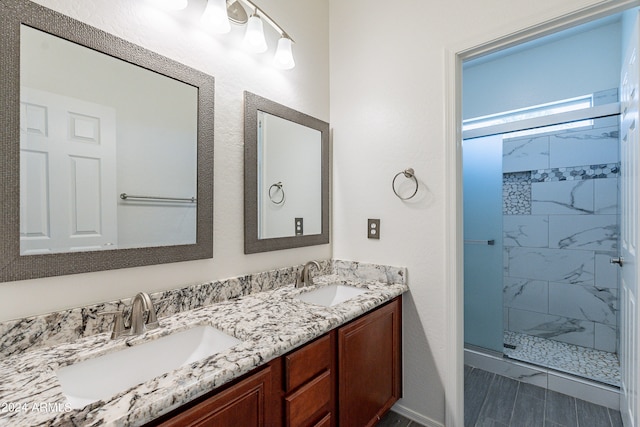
{"x": 299, "y": 226}
{"x": 373, "y": 228}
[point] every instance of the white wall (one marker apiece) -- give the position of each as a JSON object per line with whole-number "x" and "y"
{"x": 388, "y": 88}
{"x": 305, "y": 88}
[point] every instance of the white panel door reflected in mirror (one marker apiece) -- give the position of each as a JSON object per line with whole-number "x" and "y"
{"x": 91, "y": 128}
{"x": 289, "y": 178}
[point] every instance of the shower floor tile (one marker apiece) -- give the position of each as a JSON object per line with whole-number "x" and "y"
{"x": 572, "y": 359}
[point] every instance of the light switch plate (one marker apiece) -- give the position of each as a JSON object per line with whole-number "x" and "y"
{"x": 373, "y": 229}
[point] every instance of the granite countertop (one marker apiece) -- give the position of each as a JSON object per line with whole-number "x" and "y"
{"x": 268, "y": 324}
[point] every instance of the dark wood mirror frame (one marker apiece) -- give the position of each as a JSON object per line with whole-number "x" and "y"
{"x": 252, "y": 244}
{"x": 13, "y": 266}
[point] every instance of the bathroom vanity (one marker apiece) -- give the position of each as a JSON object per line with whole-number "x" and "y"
{"x": 293, "y": 359}
{"x": 351, "y": 374}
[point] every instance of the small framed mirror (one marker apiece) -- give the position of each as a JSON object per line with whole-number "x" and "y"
{"x": 107, "y": 150}
{"x": 286, "y": 177}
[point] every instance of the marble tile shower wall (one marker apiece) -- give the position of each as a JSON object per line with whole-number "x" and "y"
{"x": 560, "y": 227}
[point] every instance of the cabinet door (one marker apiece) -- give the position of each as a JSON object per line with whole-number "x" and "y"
{"x": 369, "y": 366}
{"x": 240, "y": 405}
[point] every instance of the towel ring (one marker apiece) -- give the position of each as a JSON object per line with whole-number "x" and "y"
{"x": 278, "y": 186}
{"x": 408, "y": 173}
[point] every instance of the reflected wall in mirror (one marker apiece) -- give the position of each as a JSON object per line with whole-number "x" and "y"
{"x": 286, "y": 177}
{"x": 108, "y": 150}
{"x": 83, "y": 143}
{"x": 289, "y": 192}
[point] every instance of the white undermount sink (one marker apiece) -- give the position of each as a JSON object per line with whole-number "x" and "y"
{"x": 100, "y": 378}
{"x": 330, "y": 295}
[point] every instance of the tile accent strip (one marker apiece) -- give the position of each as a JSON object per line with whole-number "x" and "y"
{"x": 572, "y": 173}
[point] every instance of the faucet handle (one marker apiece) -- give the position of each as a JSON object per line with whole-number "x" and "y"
{"x": 152, "y": 319}
{"x": 308, "y": 278}
{"x": 118, "y": 325}
{"x": 299, "y": 282}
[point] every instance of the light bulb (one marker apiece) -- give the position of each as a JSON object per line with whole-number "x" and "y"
{"x": 283, "y": 58}
{"x": 215, "y": 16}
{"x": 254, "y": 37}
{"x": 171, "y": 4}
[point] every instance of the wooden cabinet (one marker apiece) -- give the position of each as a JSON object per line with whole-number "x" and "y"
{"x": 349, "y": 377}
{"x": 309, "y": 384}
{"x": 246, "y": 403}
{"x": 369, "y": 365}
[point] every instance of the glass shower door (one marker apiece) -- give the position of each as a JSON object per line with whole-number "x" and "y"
{"x": 483, "y": 256}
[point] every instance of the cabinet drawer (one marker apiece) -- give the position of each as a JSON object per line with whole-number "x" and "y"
{"x": 308, "y": 400}
{"x": 324, "y": 422}
{"x": 306, "y": 363}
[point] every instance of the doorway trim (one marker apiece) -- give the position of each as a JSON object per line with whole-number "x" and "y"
{"x": 454, "y": 248}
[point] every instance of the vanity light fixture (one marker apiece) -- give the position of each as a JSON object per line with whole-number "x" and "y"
{"x": 218, "y": 13}
{"x": 254, "y": 36}
{"x": 215, "y": 16}
{"x": 283, "y": 58}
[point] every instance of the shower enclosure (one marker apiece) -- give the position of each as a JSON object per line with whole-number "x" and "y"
{"x": 541, "y": 223}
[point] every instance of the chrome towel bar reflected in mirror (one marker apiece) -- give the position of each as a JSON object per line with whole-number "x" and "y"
{"x": 125, "y": 196}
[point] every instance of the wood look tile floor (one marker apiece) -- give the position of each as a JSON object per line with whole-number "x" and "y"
{"x": 393, "y": 419}
{"x": 491, "y": 400}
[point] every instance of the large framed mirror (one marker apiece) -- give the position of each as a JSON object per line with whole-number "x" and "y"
{"x": 107, "y": 150}
{"x": 286, "y": 177}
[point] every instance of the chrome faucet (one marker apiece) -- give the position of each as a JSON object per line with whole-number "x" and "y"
{"x": 140, "y": 305}
{"x": 305, "y": 279}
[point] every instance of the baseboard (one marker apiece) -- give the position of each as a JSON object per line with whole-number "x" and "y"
{"x": 414, "y": 416}
{"x": 586, "y": 390}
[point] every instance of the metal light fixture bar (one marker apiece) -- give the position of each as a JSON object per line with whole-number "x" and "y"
{"x": 218, "y": 13}
{"x": 236, "y": 16}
